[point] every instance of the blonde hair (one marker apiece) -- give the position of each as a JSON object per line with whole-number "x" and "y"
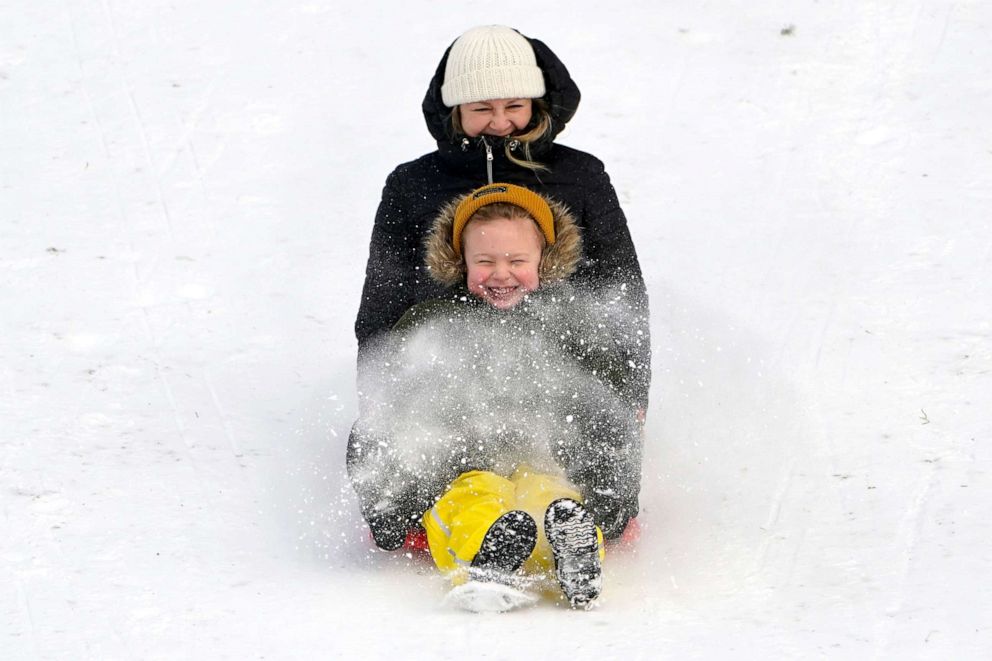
{"x": 506, "y": 210}
{"x": 541, "y": 129}
{"x": 559, "y": 260}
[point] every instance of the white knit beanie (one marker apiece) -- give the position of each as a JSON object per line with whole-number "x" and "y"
{"x": 491, "y": 62}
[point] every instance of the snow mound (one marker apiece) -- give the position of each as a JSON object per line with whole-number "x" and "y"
{"x": 486, "y": 597}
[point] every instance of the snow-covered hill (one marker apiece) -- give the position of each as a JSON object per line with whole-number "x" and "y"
{"x": 186, "y": 196}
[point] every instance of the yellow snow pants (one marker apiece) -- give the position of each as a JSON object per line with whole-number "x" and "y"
{"x": 461, "y": 517}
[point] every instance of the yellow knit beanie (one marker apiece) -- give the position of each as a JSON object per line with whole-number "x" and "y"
{"x": 519, "y": 196}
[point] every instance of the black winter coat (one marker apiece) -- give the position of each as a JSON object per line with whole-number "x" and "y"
{"x": 395, "y": 276}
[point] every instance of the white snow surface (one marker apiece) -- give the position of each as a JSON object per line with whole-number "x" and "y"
{"x": 186, "y": 196}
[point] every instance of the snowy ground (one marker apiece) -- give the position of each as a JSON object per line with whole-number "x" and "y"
{"x": 186, "y": 195}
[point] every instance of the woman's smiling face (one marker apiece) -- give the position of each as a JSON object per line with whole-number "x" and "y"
{"x": 498, "y": 117}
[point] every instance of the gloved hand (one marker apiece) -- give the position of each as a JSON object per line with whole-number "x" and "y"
{"x": 389, "y": 528}
{"x": 611, "y": 512}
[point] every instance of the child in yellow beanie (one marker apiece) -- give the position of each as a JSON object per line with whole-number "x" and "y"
{"x": 491, "y": 507}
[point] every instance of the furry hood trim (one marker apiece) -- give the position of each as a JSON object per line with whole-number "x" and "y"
{"x": 559, "y": 260}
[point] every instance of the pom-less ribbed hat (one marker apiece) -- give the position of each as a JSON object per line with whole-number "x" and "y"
{"x": 491, "y": 62}
{"x": 519, "y": 196}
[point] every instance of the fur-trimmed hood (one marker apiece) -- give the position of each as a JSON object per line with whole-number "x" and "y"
{"x": 559, "y": 260}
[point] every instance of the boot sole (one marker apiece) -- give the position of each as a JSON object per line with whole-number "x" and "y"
{"x": 571, "y": 531}
{"x": 507, "y": 544}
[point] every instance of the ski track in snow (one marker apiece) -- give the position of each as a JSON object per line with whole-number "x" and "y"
{"x": 186, "y": 195}
{"x": 909, "y": 535}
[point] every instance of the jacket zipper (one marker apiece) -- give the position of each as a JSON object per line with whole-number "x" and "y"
{"x": 489, "y": 160}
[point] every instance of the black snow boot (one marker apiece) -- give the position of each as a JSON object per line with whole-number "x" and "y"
{"x": 572, "y": 533}
{"x": 508, "y": 542}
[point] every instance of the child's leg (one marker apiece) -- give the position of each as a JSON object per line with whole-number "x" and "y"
{"x": 458, "y": 522}
{"x": 534, "y": 493}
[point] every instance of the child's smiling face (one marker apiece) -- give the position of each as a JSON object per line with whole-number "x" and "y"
{"x": 502, "y": 256}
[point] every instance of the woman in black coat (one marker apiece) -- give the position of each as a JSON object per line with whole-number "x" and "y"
{"x": 495, "y": 106}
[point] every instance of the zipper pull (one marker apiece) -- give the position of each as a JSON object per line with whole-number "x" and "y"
{"x": 489, "y": 160}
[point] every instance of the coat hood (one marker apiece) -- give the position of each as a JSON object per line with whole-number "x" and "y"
{"x": 559, "y": 260}
{"x": 561, "y": 94}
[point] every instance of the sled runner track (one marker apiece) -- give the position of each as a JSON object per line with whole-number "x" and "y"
{"x": 122, "y": 209}
{"x": 831, "y": 311}
{"x": 25, "y": 606}
{"x": 95, "y": 117}
{"x": 136, "y": 114}
{"x": 986, "y": 262}
{"x": 909, "y": 538}
{"x": 231, "y": 440}
{"x": 774, "y": 512}
{"x": 89, "y": 98}
{"x": 943, "y": 31}
{"x": 126, "y": 221}
{"x": 185, "y": 138}
{"x": 166, "y": 388}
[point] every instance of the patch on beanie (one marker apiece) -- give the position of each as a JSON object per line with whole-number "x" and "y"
{"x": 488, "y": 190}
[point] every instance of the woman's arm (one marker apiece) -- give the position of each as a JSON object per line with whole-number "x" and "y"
{"x": 615, "y": 271}
{"x": 387, "y": 292}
